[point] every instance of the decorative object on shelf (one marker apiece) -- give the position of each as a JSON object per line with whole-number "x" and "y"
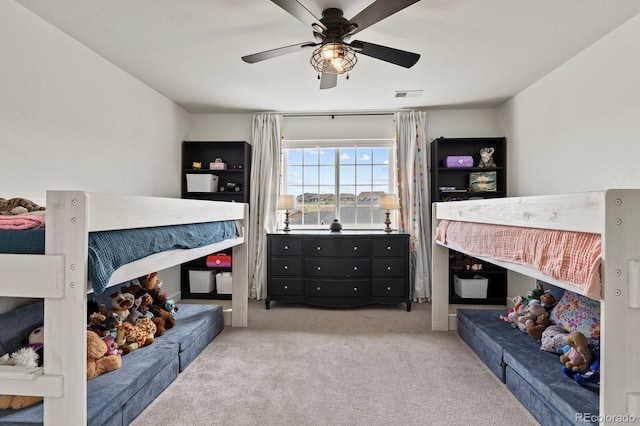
{"x": 219, "y": 260}
{"x": 388, "y": 202}
{"x": 286, "y": 203}
{"x": 335, "y": 226}
{"x": 458, "y": 161}
{"x": 486, "y": 157}
{"x": 482, "y": 181}
{"x": 218, "y": 164}
{"x": 196, "y": 165}
{"x": 231, "y": 187}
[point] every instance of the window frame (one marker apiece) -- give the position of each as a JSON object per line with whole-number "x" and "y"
{"x": 337, "y": 144}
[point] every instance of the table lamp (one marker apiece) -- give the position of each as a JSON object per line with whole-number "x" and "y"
{"x": 286, "y": 203}
{"x": 388, "y": 202}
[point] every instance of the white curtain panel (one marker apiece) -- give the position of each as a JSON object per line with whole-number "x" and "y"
{"x": 415, "y": 204}
{"x": 265, "y": 161}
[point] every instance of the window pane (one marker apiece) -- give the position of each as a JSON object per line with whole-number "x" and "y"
{"x": 381, "y": 155}
{"x": 363, "y": 174}
{"x": 328, "y": 156}
{"x": 364, "y": 155}
{"x": 327, "y": 175}
{"x": 347, "y": 156}
{"x": 311, "y": 156}
{"x": 311, "y": 175}
{"x": 380, "y": 175}
{"x": 294, "y": 175}
{"x": 347, "y": 175}
{"x": 293, "y": 157}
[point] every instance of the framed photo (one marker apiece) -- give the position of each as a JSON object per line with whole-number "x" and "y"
{"x": 482, "y": 181}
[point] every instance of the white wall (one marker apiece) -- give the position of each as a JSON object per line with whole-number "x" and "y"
{"x": 220, "y": 127}
{"x": 71, "y": 120}
{"x": 578, "y": 128}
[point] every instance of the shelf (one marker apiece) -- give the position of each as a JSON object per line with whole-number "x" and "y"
{"x": 213, "y": 171}
{"x": 470, "y": 169}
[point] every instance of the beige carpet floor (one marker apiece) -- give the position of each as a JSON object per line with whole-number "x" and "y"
{"x": 300, "y": 365}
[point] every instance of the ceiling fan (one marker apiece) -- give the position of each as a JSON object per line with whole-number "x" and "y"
{"x": 333, "y": 55}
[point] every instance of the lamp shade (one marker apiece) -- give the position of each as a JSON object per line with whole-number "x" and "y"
{"x": 285, "y": 202}
{"x": 389, "y": 202}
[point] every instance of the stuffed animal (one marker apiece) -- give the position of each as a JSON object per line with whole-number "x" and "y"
{"x": 161, "y": 300}
{"x": 579, "y": 356}
{"x": 530, "y": 312}
{"x": 535, "y": 328}
{"x": 150, "y": 280}
{"x": 28, "y": 357}
{"x": 15, "y": 206}
{"x": 590, "y": 377}
{"x": 133, "y": 336}
{"x": 98, "y": 362}
{"x": 548, "y": 300}
{"x": 486, "y": 157}
{"x": 120, "y": 305}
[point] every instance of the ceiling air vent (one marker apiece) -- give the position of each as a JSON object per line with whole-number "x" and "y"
{"x": 408, "y": 93}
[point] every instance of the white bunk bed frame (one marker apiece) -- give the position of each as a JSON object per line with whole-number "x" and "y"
{"x": 60, "y": 277}
{"x": 615, "y": 214}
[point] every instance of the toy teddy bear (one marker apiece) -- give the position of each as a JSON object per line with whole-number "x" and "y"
{"x": 98, "y": 362}
{"x": 579, "y": 355}
{"x": 535, "y": 328}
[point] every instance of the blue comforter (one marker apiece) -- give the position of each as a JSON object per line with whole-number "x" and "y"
{"x": 109, "y": 250}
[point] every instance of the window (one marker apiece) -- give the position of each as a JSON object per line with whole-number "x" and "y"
{"x": 338, "y": 179}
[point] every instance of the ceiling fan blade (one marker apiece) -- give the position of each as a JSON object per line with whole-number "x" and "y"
{"x": 301, "y": 13}
{"x": 387, "y": 54}
{"x": 377, "y": 11}
{"x": 328, "y": 81}
{"x": 274, "y": 53}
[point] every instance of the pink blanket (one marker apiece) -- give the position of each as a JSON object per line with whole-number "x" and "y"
{"x": 23, "y": 221}
{"x": 572, "y": 257}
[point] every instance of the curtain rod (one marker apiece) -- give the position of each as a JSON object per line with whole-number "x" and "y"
{"x": 339, "y": 114}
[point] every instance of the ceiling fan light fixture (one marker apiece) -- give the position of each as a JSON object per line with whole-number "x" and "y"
{"x": 333, "y": 58}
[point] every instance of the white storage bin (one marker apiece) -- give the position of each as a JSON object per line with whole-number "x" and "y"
{"x": 224, "y": 283}
{"x": 471, "y": 288}
{"x": 202, "y": 182}
{"x": 201, "y": 281}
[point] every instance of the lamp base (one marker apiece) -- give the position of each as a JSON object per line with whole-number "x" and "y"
{"x": 286, "y": 222}
{"x": 387, "y": 222}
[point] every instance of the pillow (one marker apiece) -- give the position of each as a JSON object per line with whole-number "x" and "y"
{"x": 578, "y": 313}
{"x": 554, "y": 338}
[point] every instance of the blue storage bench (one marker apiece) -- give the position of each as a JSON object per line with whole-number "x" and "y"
{"x": 117, "y": 397}
{"x": 534, "y": 376}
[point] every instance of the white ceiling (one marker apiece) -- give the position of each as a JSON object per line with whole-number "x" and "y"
{"x": 474, "y": 53}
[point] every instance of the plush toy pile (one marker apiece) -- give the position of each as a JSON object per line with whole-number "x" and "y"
{"x": 139, "y": 313}
{"x": 532, "y": 314}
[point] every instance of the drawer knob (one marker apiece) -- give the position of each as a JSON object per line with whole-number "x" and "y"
{"x": 388, "y": 268}
{"x": 355, "y": 247}
{"x": 318, "y": 248}
{"x": 286, "y": 267}
{"x": 355, "y": 268}
{"x": 388, "y": 247}
{"x": 355, "y": 289}
{"x": 388, "y": 288}
{"x": 318, "y": 288}
{"x": 318, "y": 268}
{"x": 286, "y": 287}
{"x": 286, "y": 247}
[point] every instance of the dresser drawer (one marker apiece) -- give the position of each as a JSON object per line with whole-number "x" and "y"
{"x": 285, "y": 246}
{"x": 337, "y": 247}
{"x": 337, "y": 288}
{"x": 395, "y": 247}
{"x": 344, "y": 268}
{"x": 288, "y": 266}
{"x": 384, "y": 267}
{"x": 388, "y": 287}
{"x": 285, "y": 287}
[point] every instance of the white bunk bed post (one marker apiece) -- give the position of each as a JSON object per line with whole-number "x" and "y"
{"x": 620, "y": 307}
{"x": 439, "y": 279}
{"x": 240, "y": 289}
{"x": 65, "y": 318}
